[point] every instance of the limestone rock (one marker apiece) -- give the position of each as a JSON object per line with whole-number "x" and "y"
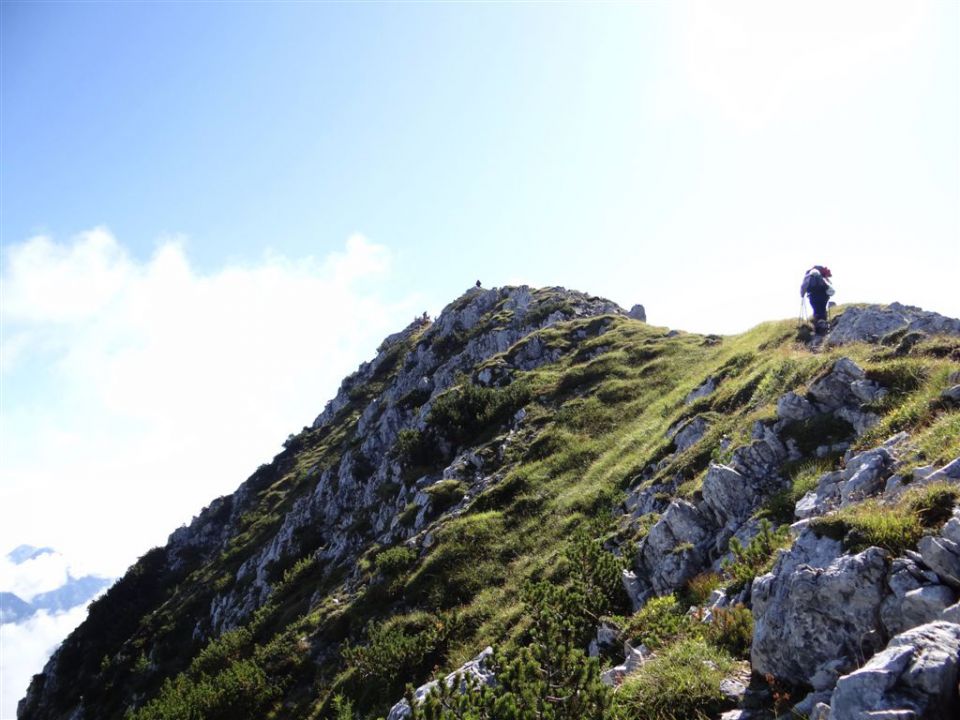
{"x": 708, "y": 387}
{"x": 865, "y": 475}
{"x": 915, "y": 676}
{"x": 942, "y": 555}
{"x": 688, "y": 433}
{"x": 870, "y": 324}
{"x": 794, "y": 407}
{"x": 823, "y": 499}
{"x": 676, "y": 547}
{"x": 816, "y": 613}
{"x": 951, "y": 395}
{"x": 833, "y": 391}
{"x": 728, "y": 494}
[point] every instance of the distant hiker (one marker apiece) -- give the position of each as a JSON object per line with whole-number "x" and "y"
{"x": 478, "y": 283}
{"x": 816, "y": 287}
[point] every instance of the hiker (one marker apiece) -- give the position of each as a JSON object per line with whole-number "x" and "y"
{"x": 816, "y": 287}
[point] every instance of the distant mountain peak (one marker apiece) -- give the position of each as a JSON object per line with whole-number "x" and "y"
{"x": 23, "y": 553}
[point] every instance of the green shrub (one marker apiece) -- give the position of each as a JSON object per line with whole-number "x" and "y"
{"x": 660, "y": 622}
{"x": 700, "y": 587}
{"x": 468, "y": 410}
{"x": 756, "y": 557}
{"x": 680, "y": 683}
{"x": 395, "y": 561}
{"x": 400, "y": 646}
{"x": 413, "y": 449}
{"x": 445, "y": 494}
{"x": 731, "y": 630}
{"x": 242, "y": 689}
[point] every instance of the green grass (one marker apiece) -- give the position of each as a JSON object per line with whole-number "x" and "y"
{"x": 680, "y": 683}
{"x": 895, "y": 527}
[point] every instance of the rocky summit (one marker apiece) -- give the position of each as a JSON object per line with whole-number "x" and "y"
{"x": 538, "y": 505}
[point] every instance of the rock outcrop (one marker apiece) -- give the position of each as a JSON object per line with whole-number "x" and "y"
{"x": 875, "y": 322}
{"x": 914, "y": 677}
{"x": 817, "y": 612}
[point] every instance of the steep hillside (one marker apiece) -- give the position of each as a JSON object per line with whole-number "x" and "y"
{"x": 539, "y": 472}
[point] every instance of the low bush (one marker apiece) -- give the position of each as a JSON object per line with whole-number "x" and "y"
{"x": 679, "y": 683}
{"x": 731, "y": 630}
{"x": 468, "y": 410}
{"x": 756, "y": 557}
{"x": 660, "y": 622}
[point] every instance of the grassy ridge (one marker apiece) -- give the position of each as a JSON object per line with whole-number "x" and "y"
{"x": 595, "y": 422}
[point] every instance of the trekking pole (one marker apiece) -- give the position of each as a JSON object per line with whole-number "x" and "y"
{"x": 803, "y": 312}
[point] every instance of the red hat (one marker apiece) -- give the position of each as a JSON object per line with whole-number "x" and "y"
{"x": 824, "y": 270}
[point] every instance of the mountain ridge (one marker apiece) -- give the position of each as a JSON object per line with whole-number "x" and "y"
{"x": 405, "y": 515}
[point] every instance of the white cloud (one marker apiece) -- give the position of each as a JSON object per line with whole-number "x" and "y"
{"x": 32, "y": 577}
{"x": 135, "y": 392}
{"x": 24, "y": 649}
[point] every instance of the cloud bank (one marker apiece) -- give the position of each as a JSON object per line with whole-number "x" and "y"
{"x": 137, "y": 391}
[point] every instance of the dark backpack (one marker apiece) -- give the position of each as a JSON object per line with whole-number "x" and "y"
{"x": 815, "y": 281}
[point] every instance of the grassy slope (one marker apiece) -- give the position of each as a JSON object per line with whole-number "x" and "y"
{"x": 595, "y": 420}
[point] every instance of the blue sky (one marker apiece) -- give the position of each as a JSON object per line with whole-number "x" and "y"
{"x": 212, "y": 212}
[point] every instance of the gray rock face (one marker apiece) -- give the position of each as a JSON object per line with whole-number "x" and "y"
{"x": 865, "y": 475}
{"x": 762, "y": 458}
{"x": 793, "y": 407}
{"x": 916, "y": 597}
{"x": 824, "y": 498}
{"x": 833, "y": 390}
{"x": 676, "y": 548}
{"x": 942, "y": 555}
{"x": 689, "y": 433}
{"x": 478, "y": 669}
{"x": 915, "y": 676}
{"x": 870, "y": 324}
{"x": 708, "y": 387}
{"x": 817, "y": 612}
{"x": 952, "y": 395}
{"x": 728, "y": 494}
{"x": 638, "y": 313}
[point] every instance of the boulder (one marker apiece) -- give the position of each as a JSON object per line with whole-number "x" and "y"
{"x": 728, "y": 494}
{"x": 688, "y": 433}
{"x": 865, "y": 475}
{"x": 832, "y": 391}
{"x": 675, "y": 549}
{"x": 637, "y": 312}
{"x": 941, "y": 555}
{"x": 817, "y": 612}
{"x": 951, "y": 395}
{"x": 915, "y": 676}
{"x": 761, "y": 459}
{"x": 793, "y": 407}
{"x": 709, "y": 386}
{"x": 871, "y": 323}
{"x": 825, "y": 498}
